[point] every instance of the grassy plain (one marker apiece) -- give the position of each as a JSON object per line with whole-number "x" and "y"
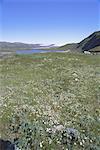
{"x": 50, "y": 89}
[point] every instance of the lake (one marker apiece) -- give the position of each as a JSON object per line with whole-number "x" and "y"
{"x": 37, "y": 51}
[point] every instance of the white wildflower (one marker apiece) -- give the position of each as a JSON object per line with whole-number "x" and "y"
{"x": 76, "y": 79}
{"x": 81, "y": 143}
{"x": 41, "y": 144}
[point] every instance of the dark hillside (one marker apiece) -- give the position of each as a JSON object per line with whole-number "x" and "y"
{"x": 90, "y": 42}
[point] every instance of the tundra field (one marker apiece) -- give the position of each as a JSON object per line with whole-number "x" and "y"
{"x": 51, "y": 101}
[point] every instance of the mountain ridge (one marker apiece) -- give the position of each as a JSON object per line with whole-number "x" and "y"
{"x": 88, "y": 44}
{"x": 11, "y": 46}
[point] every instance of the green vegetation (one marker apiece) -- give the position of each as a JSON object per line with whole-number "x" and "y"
{"x": 72, "y": 47}
{"x": 39, "y": 92}
{"x": 96, "y": 49}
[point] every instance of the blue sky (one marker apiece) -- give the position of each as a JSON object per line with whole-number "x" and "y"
{"x": 48, "y": 21}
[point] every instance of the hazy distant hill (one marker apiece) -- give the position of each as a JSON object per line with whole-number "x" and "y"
{"x": 91, "y": 43}
{"x": 7, "y": 46}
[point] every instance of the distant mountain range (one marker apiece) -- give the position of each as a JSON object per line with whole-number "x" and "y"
{"x": 7, "y": 46}
{"x": 91, "y": 43}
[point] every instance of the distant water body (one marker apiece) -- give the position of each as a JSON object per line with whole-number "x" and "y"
{"x": 37, "y": 51}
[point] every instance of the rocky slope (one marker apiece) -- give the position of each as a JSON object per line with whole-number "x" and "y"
{"x": 91, "y": 43}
